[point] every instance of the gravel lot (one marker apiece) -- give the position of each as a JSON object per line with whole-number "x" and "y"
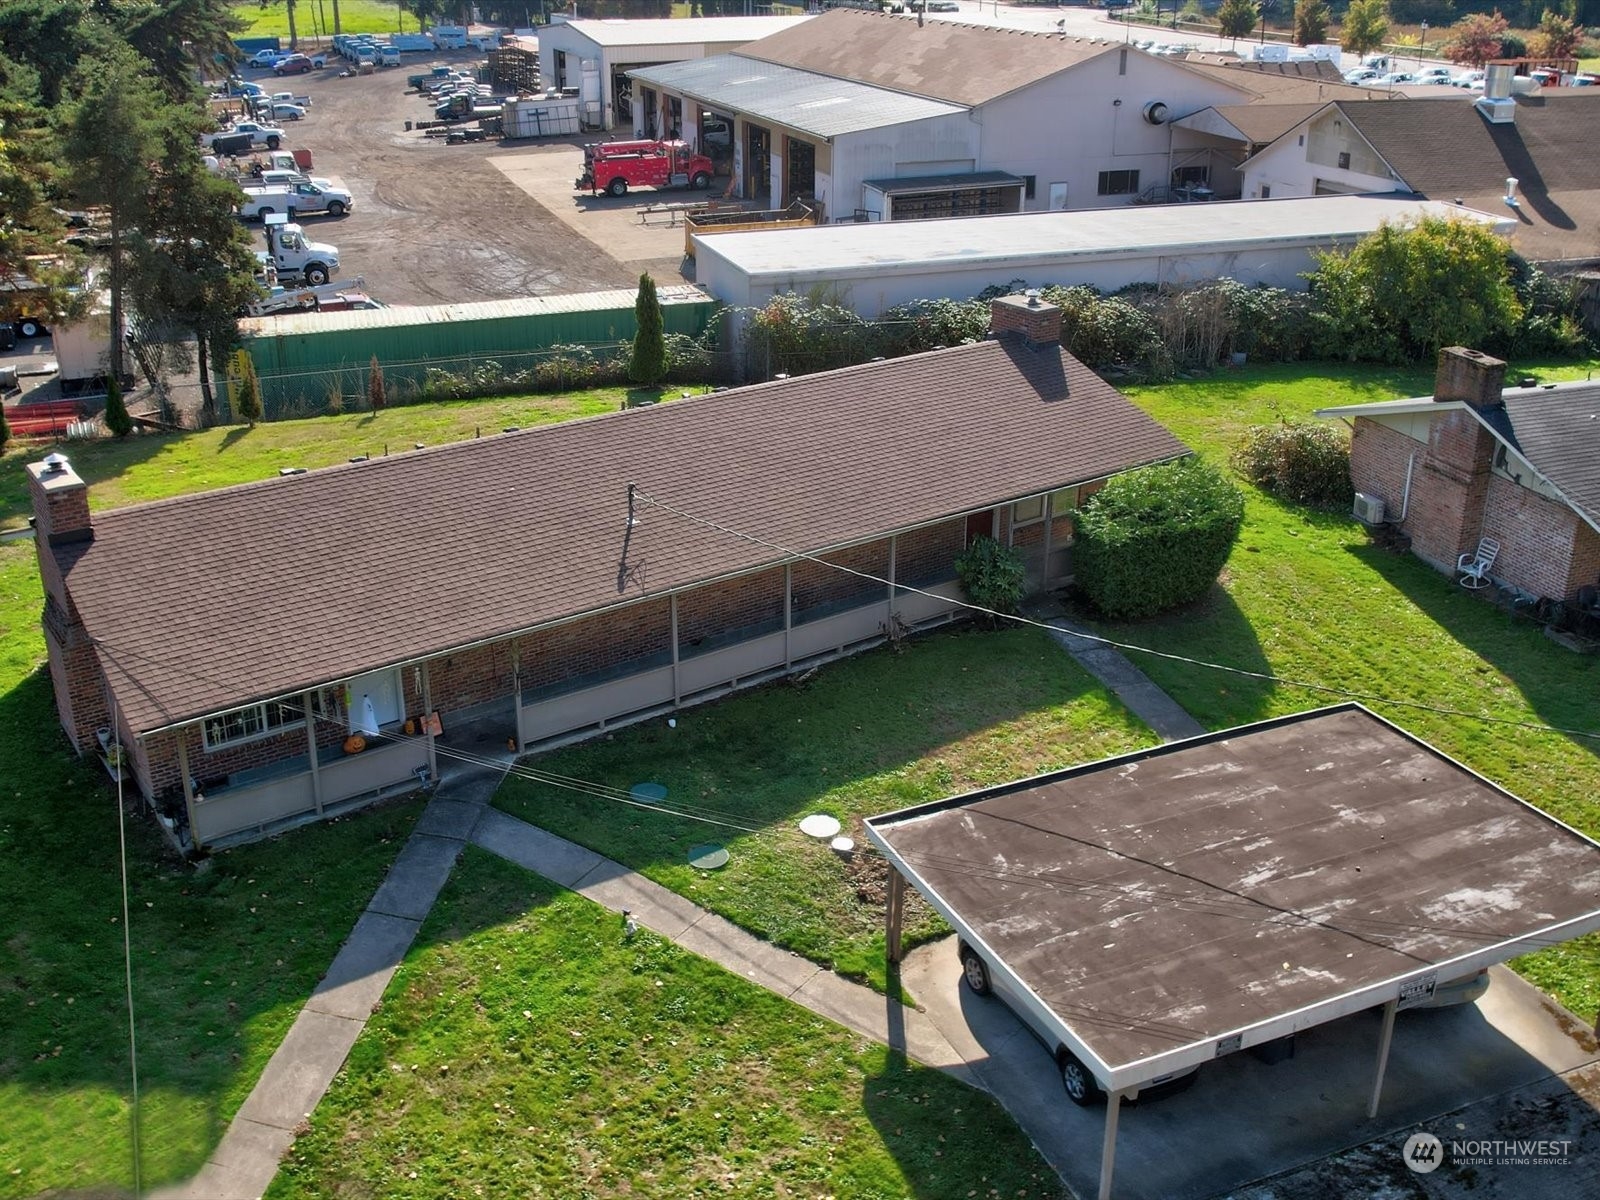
{"x": 485, "y": 221}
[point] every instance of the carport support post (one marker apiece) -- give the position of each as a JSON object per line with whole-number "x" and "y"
{"x": 1108, "y": 1148}
{"x": 896, "y": 914}
{"x": 1384, "y": 1039}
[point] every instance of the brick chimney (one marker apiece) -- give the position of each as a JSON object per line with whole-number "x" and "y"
{"x": 60, "y": 502}
{"x": 1038, "y": 321}
{"x": 1470, "y": 376}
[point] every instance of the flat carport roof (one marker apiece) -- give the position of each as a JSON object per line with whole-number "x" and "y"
{"x": 1170, "y": 906}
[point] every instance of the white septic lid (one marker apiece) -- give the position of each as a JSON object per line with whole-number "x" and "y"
{"x": 820, "y": 825}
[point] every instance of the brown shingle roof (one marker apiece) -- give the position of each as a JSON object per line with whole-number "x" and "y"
{"x": 1558, "y": 431}
{"x": 1307, "y": 83}
{"x": 209, "y": 601}
{"x": 944, "y": 60}
{"x": 1263, "y": 123}
{"x": 1444, "y": 151}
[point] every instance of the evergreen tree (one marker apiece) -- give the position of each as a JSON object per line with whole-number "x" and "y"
{"x": 1366, "y": 26}
{"x": 648, "y": 365}
{"x": 5, "y": 430}
{"x": 247, "y": 400}
{"x": 1236, "y": 18}
{"x": 118, "y": 422}
{"x": 376, "y": 395}
{"x": 1310, "y": 22}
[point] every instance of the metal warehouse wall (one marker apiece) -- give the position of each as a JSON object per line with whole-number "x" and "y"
{"x": 302, "y": 358}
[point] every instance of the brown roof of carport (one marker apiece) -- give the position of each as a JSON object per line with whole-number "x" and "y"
{"x": 1256, "y": 881}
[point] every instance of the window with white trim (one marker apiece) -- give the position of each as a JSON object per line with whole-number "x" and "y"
{"x": 255, "y": 721}
{"x": 1025, "y": 512}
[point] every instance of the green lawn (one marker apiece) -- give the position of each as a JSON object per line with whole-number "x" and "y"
{"x": 223, "y": 955}
{"x": 527, "y": 1048}
{"x": 949, "y": 712}
{"x": 314, "y": 18}
{"x": 1306, "y": 597}
{"x": 155, "y": 466}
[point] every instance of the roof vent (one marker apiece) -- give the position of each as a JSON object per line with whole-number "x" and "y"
{"x": 56, "y": 464}
{"x": 1511, "y": 191}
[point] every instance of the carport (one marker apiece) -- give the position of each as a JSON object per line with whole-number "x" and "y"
{"x": 1158, "y": 910}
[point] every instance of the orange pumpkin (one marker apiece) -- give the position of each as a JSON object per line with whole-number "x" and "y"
{"x": 355, "y": 744}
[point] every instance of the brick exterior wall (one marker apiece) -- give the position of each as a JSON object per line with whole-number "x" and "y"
{"x": 732, "y": 604}
{"x": 816, "y": 586}
{"x": 929, "y": 554}
{"x": 1456, "y": 498}
{"x": 74, "y": 669}
{"x": 580, "y": 647}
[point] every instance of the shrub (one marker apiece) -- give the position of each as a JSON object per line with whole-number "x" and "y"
{"x": 118, "y": 421}
{"x": 1155, "y": 538}
{"x": 796, "y": 335}
{"x": 931, "y": 324}
{"x": 1307, "y": 462}
{"x": 647, "y": 365}
{"x": 5, "y": 430}
{"x": 1108, "y": 331}
{"x": 688, "y": 360}
{"x": 566, "y": 367}
{"x": 991, "y": 575}
{"x": 377, "y": 396}
{"x": 247, "y": 401}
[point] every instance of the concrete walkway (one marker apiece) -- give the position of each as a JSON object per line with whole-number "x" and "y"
{"x": 304, "y": 1066}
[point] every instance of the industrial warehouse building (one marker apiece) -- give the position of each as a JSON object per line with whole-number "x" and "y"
{"x": 871, "y": 268}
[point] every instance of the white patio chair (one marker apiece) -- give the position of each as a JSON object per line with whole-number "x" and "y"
{"x": 1473, "y": 568}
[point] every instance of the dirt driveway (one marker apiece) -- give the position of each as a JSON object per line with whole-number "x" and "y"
{"x": 435, "y": 223}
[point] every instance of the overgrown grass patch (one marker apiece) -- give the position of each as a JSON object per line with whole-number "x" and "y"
{"x": 527, "y": 1047}
{"x": 313, "y": 20}
{"x": 223, "y": 955}
{"x": 951, "y": 711}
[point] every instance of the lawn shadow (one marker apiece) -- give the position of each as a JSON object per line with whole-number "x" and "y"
{"x": 234, "y": 435}
{"x": 224, "y": 953}
{"x": 1557, "y": 683}
{"x": 93, "y": 461}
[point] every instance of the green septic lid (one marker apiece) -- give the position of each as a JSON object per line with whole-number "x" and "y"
{"x": 708, "y": 857}
{"x": 648, "y": 793}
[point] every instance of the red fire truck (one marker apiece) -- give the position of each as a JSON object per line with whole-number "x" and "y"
{"x": 616, "y": 166}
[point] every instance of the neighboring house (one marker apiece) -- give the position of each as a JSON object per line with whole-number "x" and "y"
{"x": 835, "y": 108}
{"x": 231, "y": 641}
{"x": 1477, "y": 459}
{"x": 1531, "y": 156}
{"x": 593, "y": 57}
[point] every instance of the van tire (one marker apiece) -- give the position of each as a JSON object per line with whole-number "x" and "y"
{"x": 975, "y": 972}
{"x": 1081, "y": 1087}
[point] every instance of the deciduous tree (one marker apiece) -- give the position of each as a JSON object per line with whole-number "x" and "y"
{"x": 1236, "y": 18}
{"x": 1557, "y": 37}
{"x": 1477, "y": 38}
{"x": 1310, "y": 22}
{"x": 1365, "y": 27}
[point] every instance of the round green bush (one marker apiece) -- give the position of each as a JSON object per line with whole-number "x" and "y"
{"x": 1305, "y": 462}
{"x": 1156, "y": 538}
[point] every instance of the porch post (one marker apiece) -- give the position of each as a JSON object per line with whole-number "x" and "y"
{"x": 672, "y": 629}
{"x": 888, "y": 618}
{"x": 788, "y": 612}
{"x": 895, "y": 915}
{"x": 1108, "y": 1148}
{"x": 1384, "y": 1038}
{"x": 1049, "y": 520}
{"x": 516, "y": 694}
{"x": 427, "y": 726}
{"x": 188, "y": 785}
{"x": 311, "y": 751}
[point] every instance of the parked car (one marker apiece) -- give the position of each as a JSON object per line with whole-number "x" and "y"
{"x": 1469, "y": 79}
{"x": 283, "y": 111}
{"x": 1393, "y": 79}
{"x": 1434, "y": 75}
{"x": 265, "y": 58}
{"x": 295, "y": 64}
{"x": 1361, "y": 75}
{"x": 1081, "y": 1086}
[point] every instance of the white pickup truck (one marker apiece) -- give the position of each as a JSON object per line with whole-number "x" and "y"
{"x": 260, "y": 203}
{"x": 305, "y": 195}
{"x": 294, "y": 257}
{"x": 269, "y": 136}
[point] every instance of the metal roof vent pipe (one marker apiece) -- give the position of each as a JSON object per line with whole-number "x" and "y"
{"x": 1511, "y": 191}
{"x": 1496, "y": 104}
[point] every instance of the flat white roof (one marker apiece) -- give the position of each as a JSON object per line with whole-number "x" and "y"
{"x": 909, "y": 247}
{"x": 686, "y": 31}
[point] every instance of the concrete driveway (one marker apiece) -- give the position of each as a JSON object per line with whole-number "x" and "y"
{"x": 1244, "y": 1120}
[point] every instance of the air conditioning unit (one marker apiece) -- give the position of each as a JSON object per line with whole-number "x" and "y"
{"x": 1369, "y": 509}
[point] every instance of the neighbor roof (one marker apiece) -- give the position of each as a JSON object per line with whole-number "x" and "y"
{"x": 944, "y": 60}
{"x": 680, "y": 32}
{"x": 215, "y": 600}
{"x": 801, "y": 100}
{"x": 1448, "y": 150}
{"x": 1555, "y": 428}
{"x": 1254, "y": 124}
{"x": 1021, "y": 239}
{"x": 1164, "y": 907}
{"x": 1282, "y": 83}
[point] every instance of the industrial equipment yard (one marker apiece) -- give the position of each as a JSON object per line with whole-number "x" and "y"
{"x": 436, "y": 223}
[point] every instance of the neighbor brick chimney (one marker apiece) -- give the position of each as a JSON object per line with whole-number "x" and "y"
{"x": 1471, "y": 377}
{"x": 60, "y": 502}
{"x": 60, "y": 518}
{"x": 1038, "y": 321}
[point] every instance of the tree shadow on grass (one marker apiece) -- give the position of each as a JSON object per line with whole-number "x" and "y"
{"x": 1557, "y": 683}
{"x": 234, "y": 435}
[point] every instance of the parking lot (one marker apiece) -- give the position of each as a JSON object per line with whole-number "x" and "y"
{"x": 435, "y": 223}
